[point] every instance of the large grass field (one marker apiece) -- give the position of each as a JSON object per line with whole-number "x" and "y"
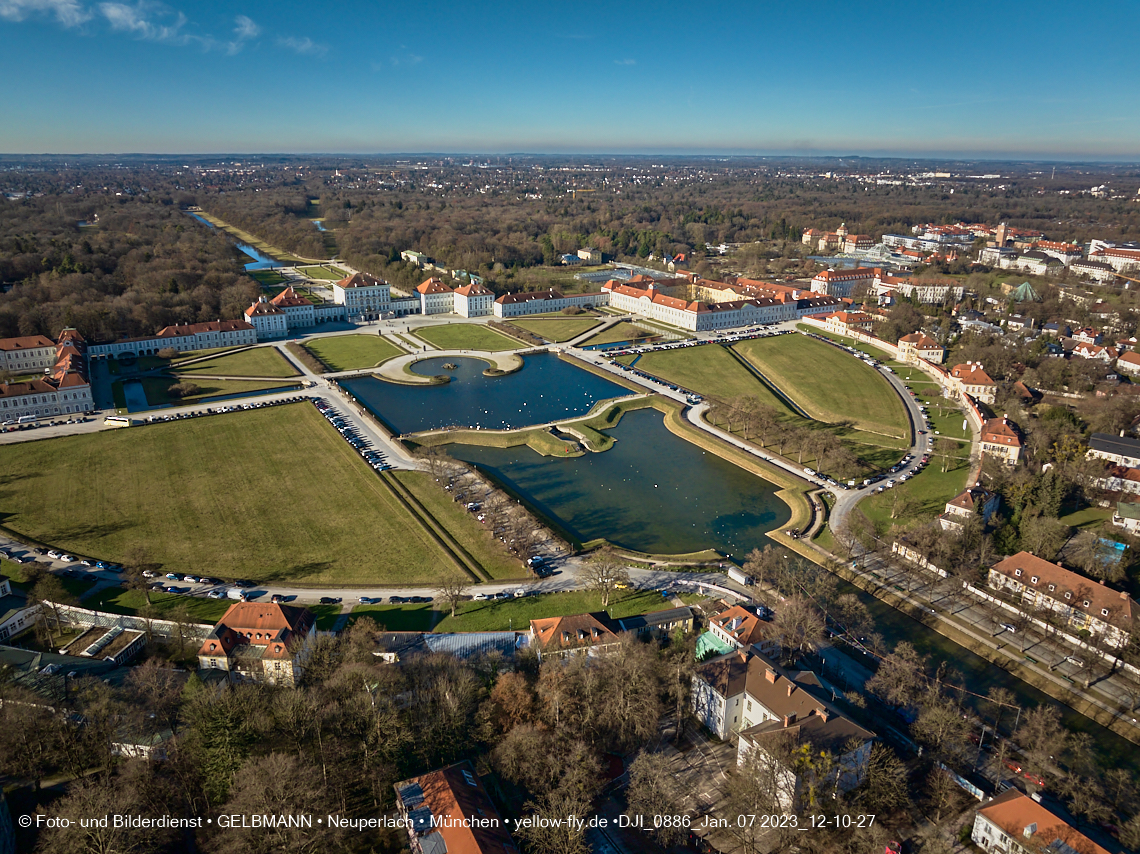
{"x": 256, "y": 362}
{"x": 466, "y": 336}
{"x": 502, "y": 615}
{"x": 352, "y": 352}
{"x": 557, "y": 329}
{"x": 266, "y": 278}
{"x": 272, "y": 494}
{"x": 328, "y": 274}
{"x": 709, "y": 370}
{"x": 157, "y": 389}
{"x": 491, "y": 554}
{"x": 623, "y": 331}
{"x": 929, "y": 490}
{"x": 830, "y": 385}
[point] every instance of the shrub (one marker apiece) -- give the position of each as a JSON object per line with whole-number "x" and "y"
{"x": 181, "y": 390}
{"x": 167, "y": 353}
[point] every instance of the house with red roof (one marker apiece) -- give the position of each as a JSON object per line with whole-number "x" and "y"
{"x": 575, "y": 634}
{"x": 917, "y": 346}
{"x": 840, "y": 283}
{"x": 846, "y": 322}
{"x": 972, "y": 380}
{"x": 1000, "y": 438}
{"x": 974, "y": 501}
{"x": 261, "y": 641}
{"x": 60, "y": 386}
{"x": 1080, "y": 602}
{"x": 448, "y": 811}
{"x": 363, "y": 296}
{"x": 740, "y": 628}
{"x": 1015, "y": 823}
{"x": 268, "y": 320}
{"x": 474, "y": 300}
{"x": 435, "y": 297}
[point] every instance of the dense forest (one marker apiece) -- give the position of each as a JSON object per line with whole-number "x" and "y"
{"x": 103, "y": 246}
{"x": 140, "y": 266}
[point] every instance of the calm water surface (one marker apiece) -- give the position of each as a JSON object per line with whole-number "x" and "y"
{"x": 545, "y": 389}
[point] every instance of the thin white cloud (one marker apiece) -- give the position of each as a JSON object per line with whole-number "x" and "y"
{"x": 139, "y": 20}
{"x": 406, "y": 57}
{"x": 305, "y": 46}
{"x": 70, "y": 13}
{"x": 245, "y": 30}
{"x": 625, "y": 62}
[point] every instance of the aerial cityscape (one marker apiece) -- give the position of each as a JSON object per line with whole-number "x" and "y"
{"x": 398, "y": 455}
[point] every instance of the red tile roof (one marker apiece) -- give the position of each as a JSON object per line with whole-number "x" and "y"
{"x": 573, "y": 631}
{"x": 360, "y": 280}
{"x": 1000, "y": 431}
{"x": 971, "y": 373}
{"x": 258, "y": 624}
{"x": 1015, "y": 813}
{"x": 27, "y": 342}
{"x": 198, "y": 328}
{"x": 464, "y": 814}
{"x": 474, "y": 290}
{"x": 289, "y": 298}
{"x": 741, "y": 625}
{"x": 1120, "y": 606}
{"x": 432, "y": 286}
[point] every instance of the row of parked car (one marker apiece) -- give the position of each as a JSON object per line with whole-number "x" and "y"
{"x": 374, "y": 458}
{"x": 209, "y": 410}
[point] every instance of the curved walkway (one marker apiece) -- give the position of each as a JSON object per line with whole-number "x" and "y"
{"x": 397, "y": 369}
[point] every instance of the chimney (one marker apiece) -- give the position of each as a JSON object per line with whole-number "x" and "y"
{"x": 771, "y": 676}
{"x": 789, "y": 719}
{"x": 791, "y": 687}
{"x": 823, "y": 715}
{"x": 1102, "y": 582}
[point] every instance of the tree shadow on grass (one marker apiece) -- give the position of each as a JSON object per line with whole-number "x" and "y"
{"x": 92, "y": 531}
{"x": 301, "y": 572}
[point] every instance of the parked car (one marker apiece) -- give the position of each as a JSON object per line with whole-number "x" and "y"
{"x": 330, "y": 600}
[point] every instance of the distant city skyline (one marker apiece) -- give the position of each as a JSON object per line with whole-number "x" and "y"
{"x": 887, "y": 79}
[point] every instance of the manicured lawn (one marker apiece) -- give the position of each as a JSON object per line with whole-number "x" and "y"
{"x": 463, "y": 526}
{"x": 328, "y": 274}
{"x": 352, "y": 352}
{"x": 398, "y": 618}
{"x": 505, "y": 614}
{"x": 266, "y": 278}
{"x": 557, "y": 328}
{"x": 197, "y": 609}
{"x": 1088, "y": 517}
{"x": 847, "y": 342}
{"x": 271, "y": 494}
{"x": 618, "y": 332}
{"x": 198, "y": 354}
{"x": 709, "y": 370}
{"x": 466, "y": 336}
{"x": 327, "y": 615}
{"x": 931, "y": 489}
{"x": 157, "y": 389}
{"x": 829, "y": 384}
{"x": 256, "y": 362}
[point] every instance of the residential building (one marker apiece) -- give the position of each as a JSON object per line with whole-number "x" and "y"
{"x": 268, "y": 320}
{"x": 1121, "y": 260}
{"x": 16, "y": 616}
{"x": 541, "y": 302}
{"x": 569, "y": 260}
{"x": 811, "y": 236}
{"x": 1015, "y": 823}
{"x": 740, "y": 628}
{"x": 62, "y": 390}
{"x": 659, "y": 625}
{"x": 474, "y": 300}
{"x": 917, "y": 346}
{"x": 1079, "y": 602}
{"x": 1087, "y": 335}
{"x": 928, "y": 291}
{"x": 449, "y": 812}
{"x": 858, "y": 243}
{"x": 744, "y": 696}
{"x": 364, "y": 297}
{"x": 972, "y": 380}
{"x": 576, "y": 634}
{"x": 974, "y": 501}
{"x": 29, "y": 354}
{"x": 1000, "y": 438}
{"x": 260, "y": 641}
{"x": 846, "y": 322}
{"x": 1115, "y": 449}
{"x": 1034, "y": 261}
{"x": 1066, "y": 253}
{"x": 1119, "y": 479}
{"x": 1096, "y": 353}
{"x": 590, "y": 255}
{"x": 840, "y": 283}
{"x": 299, "y": 311}
{"x": 1099, "y": 271}
{"x": 417, "y": 258}
{"x": 1127, "y": 516}
{"x": 435, "y": 297}
{"x": 185, "y": 338}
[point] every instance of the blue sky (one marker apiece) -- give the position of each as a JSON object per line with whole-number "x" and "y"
{"x": 1046, "y": 79}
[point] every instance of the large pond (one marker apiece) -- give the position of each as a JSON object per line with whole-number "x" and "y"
{"x": 652, "y": 491}
{"x": 545, "y": 389}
